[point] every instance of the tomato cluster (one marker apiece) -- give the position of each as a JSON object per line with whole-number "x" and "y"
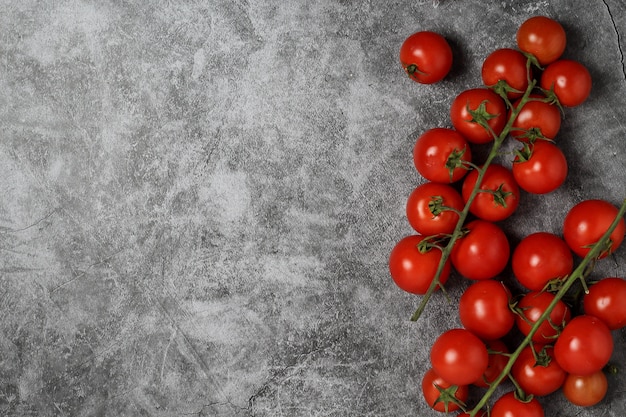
{"x": 563, "y": 331}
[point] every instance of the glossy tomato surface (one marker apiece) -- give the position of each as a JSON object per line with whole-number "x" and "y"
{"x": 426, "y": 57}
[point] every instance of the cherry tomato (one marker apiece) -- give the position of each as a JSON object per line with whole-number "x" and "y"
{"x": 486, "y": 103}
{"x": 531, "y": 306}
{"x": 539, "y": 258}
{"x": 509, "y": 405}
{"x": 428, "y": 208}
{"x": 479, "y": 414}
{"x": 459, "y": 357}
{"x": 540, "y": 167}
{"x": 570, "y": 81}
{"x": 542, "y": 37}
{"x": 587, "y": 221}
{"x": 584, "y": 346}
{"x": 484, "y": 309}
{"x": 537, "y": 372}
{"x": 586, "y": 390}
{"x": 605, "y": 301}
{"x": 509, "y": 66}
{"x": 431, "y": 385}
{"x": 441, "y": 155}
{"x": 413, "y": 270}
{"x": 499, "y": 193}
{"x": 497, "y": 362}
{"x": 482, "y": 253}
{"x": 426, "y": 57}
{"x": 536, "y": 120}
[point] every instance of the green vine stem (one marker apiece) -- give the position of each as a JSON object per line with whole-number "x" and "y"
{"x": 580, "y": 273}
{"x": 445, "y": 252}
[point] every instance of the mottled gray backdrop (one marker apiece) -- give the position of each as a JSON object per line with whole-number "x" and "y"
{"x": 198, "y": 199}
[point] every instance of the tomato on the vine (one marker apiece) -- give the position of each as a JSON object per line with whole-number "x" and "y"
{"x": 442, "y": 396}
{"x": 482, "y": 252}
{"x": 530, "y": 308}
{"x": 484, "y": 309}
{"x": 587, "y": 221}
{"x": 537, "y": 372}
{"x": 605, "y": 301}
{"x": 505, "y": 70}
{"x": 539, "y": 258}
{"x": 540, "y": 167}
{"x": 441, "y": 155}
{"x": 569, "y": 80}
{"x": 426, "y": 57}
{"x": 537, "y": 119}
{"x": 413, "y": 268}
{"x": 459, "y": 357}
{"x": 542, "y": 37}
{"x": 497, "y": 362}
{"x": 586, "y": 390}
{"x": 584, "y": 346}
{"x": 487, "y": 107}
{"x": 509, "y": 405}
{"x": 433, "y": 208}
{"x": 498, "y": 195}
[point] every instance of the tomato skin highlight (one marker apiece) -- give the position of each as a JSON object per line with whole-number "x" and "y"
{"x": 459, "y": 357}
{"x": 605, "y": 301}
{"x": 539, "y": 258}
{"x": 472, "y": 99}
{"x": 434, "y": 148}
{"x": 421, "y": 217}
{"x": 584, "y": 346}
{"x": 426, "y": 57}
{"x": 485, "y": 205}
{"x": 570, "y": 81}
{"x": 412, "y": 270}
{"x": 430, "y": 382}
{"x": 532, "y": 306}
{"x": 509, "y": 406}
{"x": 586, "y": 390}
{"x": 484, "y": 309}
{"x": 587, "y": 221}
{"x": 542, "y": 37}
{"x": 538, "y": 379}
{"x": 482, "y": 253}
{"x": 545, "y": 170}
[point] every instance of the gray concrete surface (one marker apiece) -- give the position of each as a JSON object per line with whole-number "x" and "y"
{"x": 198, "y": 199}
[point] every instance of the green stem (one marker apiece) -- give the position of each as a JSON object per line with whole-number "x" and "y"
{"x": 580, "y": 272}
{"x": 445, "y": 253}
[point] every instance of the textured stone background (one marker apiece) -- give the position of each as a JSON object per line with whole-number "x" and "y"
{"x": 198, "y": 199}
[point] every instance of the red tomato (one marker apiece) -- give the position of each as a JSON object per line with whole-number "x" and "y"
{"x": 586, "y": 390}
{"x": 499, "y": 195}
{"x": 497, "y": 362}
{"x": 605, "y": 301}
{"x": 484, "y": 309}
{"x": 427, "y": 212}
{"x": 585, "y": 224}
{"x": 570, "y": 81}
{"x": 431, "y": 385}
{"x": 510, "y": 406}
{"x": 413, "y": 270}
{"x": 584, "y": 346}
{"x": 531, "y": 307}
{"x": 480, "y": 414}
{"x": 539, "y": 258}
{"x": 459, "y": 357}
{"x": 426, "y": 57}
{"x": 509, "y": 66}
{"x": 540, "y": 167}
{"x": 441, "y": 155}
{"x": 542, "y": 37}
{"x": 536, "y": 120}
{"x": 485, "y": 102}
{"x": 482, "y": 253}
{"x": 538, "y": 373}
